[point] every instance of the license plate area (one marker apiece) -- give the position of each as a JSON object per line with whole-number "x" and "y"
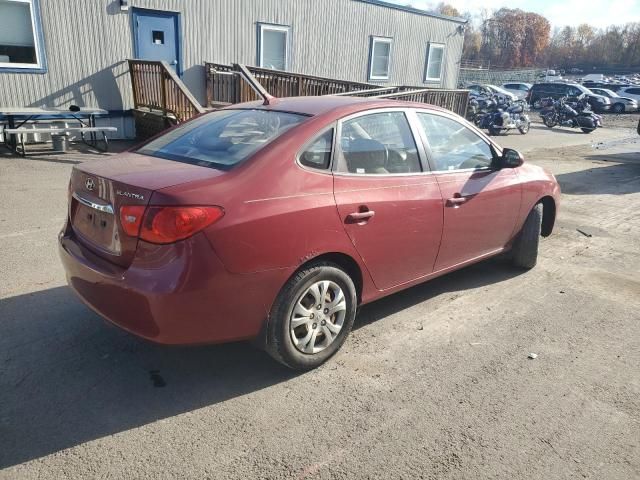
{"x": 95, "y": 227}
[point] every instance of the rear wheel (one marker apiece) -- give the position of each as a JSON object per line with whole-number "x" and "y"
{"x": 587, "y": 130}
{"x": 524, "y": 128}
{"x": 524, "y": 253}
{"x": 312, "y": 316}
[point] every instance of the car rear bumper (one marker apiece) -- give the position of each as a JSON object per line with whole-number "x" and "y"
{"x": 172, "y": 294}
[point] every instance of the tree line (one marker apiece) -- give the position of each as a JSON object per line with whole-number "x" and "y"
{"x": 513, "y": 38}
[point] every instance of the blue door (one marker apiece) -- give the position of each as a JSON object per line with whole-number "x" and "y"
{"x": 156, "y": 36}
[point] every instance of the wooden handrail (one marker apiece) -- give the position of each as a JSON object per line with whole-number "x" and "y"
{"x": 454, "y": 100}
{"x": 225, "y": 85}
{"x": 156, "y": 86}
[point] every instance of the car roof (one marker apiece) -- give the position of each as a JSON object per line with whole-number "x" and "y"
{"x": 329, "y": 103}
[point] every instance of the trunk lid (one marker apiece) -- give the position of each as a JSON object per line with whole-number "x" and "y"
{"x": 98, "y": 189}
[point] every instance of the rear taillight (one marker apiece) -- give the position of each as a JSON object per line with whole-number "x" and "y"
{"x": 131, "y": 219}
{"x": 170, "y": 224}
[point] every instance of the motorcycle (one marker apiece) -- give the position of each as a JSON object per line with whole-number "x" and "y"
{"x": 504, "y": 116}
{"x": 478, "y": 108}
{"x": 569, "y": 113}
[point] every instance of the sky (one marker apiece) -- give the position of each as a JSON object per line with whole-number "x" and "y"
{"x": 558, "y": 12}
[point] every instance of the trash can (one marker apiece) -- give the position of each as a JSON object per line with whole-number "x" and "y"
{"x": 59, "y": 142}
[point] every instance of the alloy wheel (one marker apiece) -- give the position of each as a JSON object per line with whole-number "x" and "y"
{"x": 318, "y": 317}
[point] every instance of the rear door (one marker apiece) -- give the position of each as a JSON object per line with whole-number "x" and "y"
{"x": 481, "y": 204}
{"x": 156, "y": 36}
{"x": 390, "y": 206}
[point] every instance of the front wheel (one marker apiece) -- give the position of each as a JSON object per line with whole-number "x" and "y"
{"x": 312, "y": 316}
{"x": 493, "y": 130}
{"x": 524, "y": 253}
{"x": 618, "y": 107}
{"x": 587, "y": 130}
{"x": 524, "y": 127}
{"x": 549, "y": 121}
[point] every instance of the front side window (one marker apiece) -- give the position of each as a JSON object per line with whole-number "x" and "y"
{"x": 454, "y": 146}
{"x": 378, "y": 143}
{"x": 380, "y": 58}
{"x": 318, "y": 154}
{"x": 221, "y": 139}
{"x": 273, "y": 48}
{"x": 21, "y": 45}
{"x": 435, "y": 57}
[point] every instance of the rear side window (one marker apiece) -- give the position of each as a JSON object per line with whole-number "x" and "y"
{"x": 221, "y": 139}
{"x": 378, "y": 143}
{"x": 318, "y": 154}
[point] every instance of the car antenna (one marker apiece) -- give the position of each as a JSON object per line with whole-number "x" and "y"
{"x": 255, "y": 84}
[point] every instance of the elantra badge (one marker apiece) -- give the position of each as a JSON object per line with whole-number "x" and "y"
{"x": 136, "y": 196}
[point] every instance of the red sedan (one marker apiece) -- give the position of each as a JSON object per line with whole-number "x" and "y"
{"x": 274, "y": 222}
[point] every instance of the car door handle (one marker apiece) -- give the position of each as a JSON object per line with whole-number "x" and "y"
{"x": 456, "y": 201}
{"x": 360, "y": 217}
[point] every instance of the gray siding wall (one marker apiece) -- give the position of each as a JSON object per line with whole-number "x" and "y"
{"x": 87, "y": 41}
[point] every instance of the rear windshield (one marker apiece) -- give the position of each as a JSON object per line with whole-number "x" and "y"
{"x": 221, "y": 139}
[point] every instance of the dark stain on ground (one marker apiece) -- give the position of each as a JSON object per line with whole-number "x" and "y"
{"x": 157, "y": 380}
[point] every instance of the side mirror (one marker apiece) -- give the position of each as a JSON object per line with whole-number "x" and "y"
{"x": 511, "y": 158}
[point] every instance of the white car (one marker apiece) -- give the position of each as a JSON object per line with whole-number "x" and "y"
{"x": 630, "y": 92}
{"x": 619, "y": 104}
{"x": 489, "y": 90}
{"x": 519, "y": 89}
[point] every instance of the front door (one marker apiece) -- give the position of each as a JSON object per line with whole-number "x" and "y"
{"x": 156, "y": 36}
{"x": 481, "y": 204}
{"x": 391, "y": 209}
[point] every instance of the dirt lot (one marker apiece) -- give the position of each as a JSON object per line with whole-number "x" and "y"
{"x": 433, "y": 383}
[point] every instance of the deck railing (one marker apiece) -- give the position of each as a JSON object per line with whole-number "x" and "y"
{"x": 157, "y": 87}
{"x": 454, "y": 100}
{"x": 226, "y": 86}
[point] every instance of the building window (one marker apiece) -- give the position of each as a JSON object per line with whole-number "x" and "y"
{"x": 273, "y": 46}
{"x": 380, "y": 58}
{"x": 21, "y": 45}
{"x": 435, "y": 56}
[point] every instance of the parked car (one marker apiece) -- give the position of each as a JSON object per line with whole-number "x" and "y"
{"x": 618, "y": 104}
{"x": 593, "y": 77}
{"x": 608, "y": 85}
{"x": 519, "y": 89}
{"x": 599, "y": 103}
{"x": 274, "y": 222}
{"x": 630, "y": 92}
{"x": 485, "y": 90}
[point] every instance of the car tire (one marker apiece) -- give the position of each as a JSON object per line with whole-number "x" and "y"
{"x": 618, "y": 107}
{"x": 286, "y": 344}
{"x": 524, "y": 253}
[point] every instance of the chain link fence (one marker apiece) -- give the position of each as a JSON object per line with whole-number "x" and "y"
{"x": 470, "y": 76}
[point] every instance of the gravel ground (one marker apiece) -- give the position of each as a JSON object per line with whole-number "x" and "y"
{"x": 435, "y": 382}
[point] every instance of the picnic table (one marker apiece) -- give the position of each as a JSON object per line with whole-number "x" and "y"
{"x": 17, "y": 117}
